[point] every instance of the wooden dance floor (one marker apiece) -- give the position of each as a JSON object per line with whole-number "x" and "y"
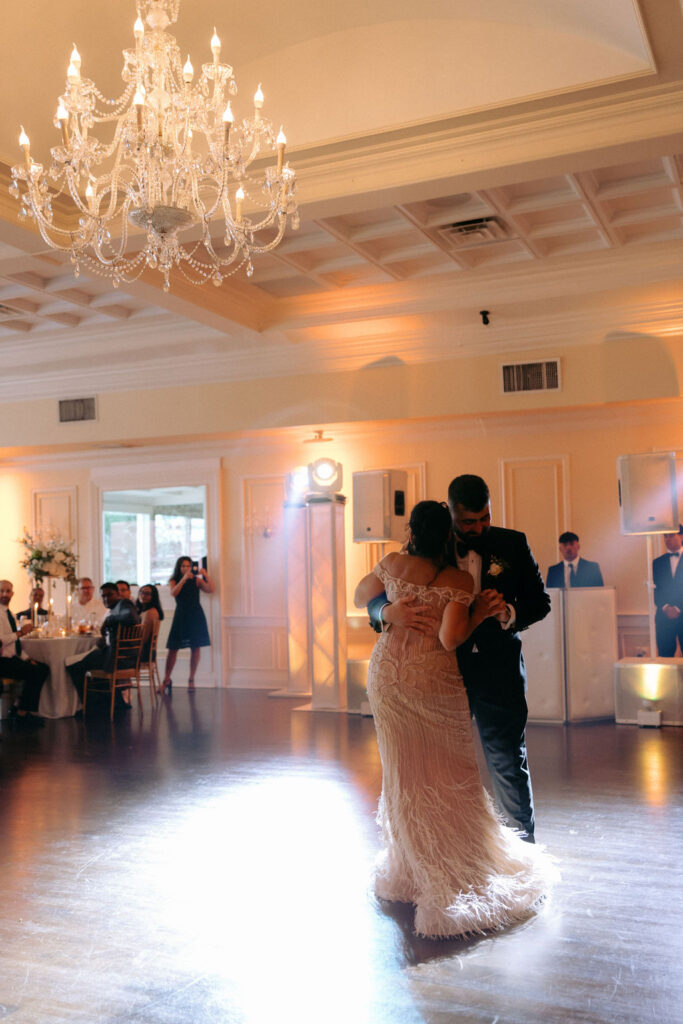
{"x": 209, "y": 863}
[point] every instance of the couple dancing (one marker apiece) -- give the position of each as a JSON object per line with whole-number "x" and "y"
{"x": 446, "y": 850}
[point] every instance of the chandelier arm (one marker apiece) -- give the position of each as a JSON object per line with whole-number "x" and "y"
{"x": 118, "y": 105}
{"x": 72, "y": 183}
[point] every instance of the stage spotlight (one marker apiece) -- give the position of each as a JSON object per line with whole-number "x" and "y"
{"x": 324, "y": 477}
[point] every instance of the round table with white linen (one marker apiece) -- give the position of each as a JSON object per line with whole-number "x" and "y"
{"x": 58, "y": 698}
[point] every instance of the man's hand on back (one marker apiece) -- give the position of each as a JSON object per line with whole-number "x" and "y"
{"x": 409, "y": 615}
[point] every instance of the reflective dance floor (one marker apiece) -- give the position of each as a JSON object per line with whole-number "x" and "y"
{"x": 209, "y": 863}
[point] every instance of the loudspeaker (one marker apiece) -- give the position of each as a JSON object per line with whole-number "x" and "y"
{"x": 648, "y": 501}
{"x": 379, "y": 504}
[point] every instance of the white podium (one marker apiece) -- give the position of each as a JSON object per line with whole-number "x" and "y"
{"x": 570, "y": 657}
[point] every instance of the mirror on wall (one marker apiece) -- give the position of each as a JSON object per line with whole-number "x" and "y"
{"x": 145, "y": 531}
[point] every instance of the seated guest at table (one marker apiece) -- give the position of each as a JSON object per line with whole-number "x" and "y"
{"x": 573, "y": 571}
{"x": 150, "y": 611}
{"x": 86, "y": 604}
{"x": 37, "y": 598}
{"x": 123, "y": 587}
{"x": 15, "y": 665}
{"x": 122, "y": 612}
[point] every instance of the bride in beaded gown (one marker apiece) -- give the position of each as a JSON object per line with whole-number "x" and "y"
{"x": 445, "y": 849}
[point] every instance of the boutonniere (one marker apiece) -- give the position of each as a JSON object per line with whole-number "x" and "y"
{"x": 496, "y": 566}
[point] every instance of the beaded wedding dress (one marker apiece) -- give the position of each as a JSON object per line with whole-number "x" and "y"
{"x": 445, "y": 849}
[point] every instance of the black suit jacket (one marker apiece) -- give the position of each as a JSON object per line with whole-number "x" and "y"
{"x": 124, "y": 613}
{"x": 491, "y": 658}
{"x": 587, "y": 575}
{"x": 668, "y": 588}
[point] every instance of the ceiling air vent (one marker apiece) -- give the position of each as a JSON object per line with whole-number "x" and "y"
{"x": 468, "y": 233}
{"x": 531, "y": 376}
{"x": 73, "y": 410}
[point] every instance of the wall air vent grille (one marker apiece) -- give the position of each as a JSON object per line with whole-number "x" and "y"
{"x": 531, "y": 376}
{"x": 467, "y": 233}
{"x": 74, "y": 410}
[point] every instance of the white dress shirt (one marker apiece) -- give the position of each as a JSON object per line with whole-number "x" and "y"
{"x": 94, "y": 607}
{"x": 7, "y": 635}
{"x": 471, "y": 562}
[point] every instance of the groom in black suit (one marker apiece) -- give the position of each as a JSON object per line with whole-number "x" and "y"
{"x": 491, "y": 659}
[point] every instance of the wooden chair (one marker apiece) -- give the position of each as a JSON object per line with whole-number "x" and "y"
{"x": 148, "y": 668}
{"x": 122, "y": 676}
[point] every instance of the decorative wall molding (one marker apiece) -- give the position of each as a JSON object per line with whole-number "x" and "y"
{"x": 263, "y": 555}
{"x": 536, "y": 501}
{"x": 255, "y": 651}
{"x": 658, "y": 412}
{"x": 633, "y": 635}
{"x": 487, "y": 143}
{"x": 56, "y": 510}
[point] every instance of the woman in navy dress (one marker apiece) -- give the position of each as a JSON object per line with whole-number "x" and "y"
{"x": 188, "y": 628}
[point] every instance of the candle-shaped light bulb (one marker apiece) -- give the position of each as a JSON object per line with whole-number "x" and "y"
{"x": 239, "y": 197}
{"x": 138, "y": 28}
{"x": 73, "y": 75}
{"x": 227, "y": 123}
{"x": 215, "y": 46}
{"x": 281, "y": 143}
{"x": 188, "y": 70}
{"x": 25, "y": 145}
{"x": 62, "y": 121}
{"x": 75, "y": 58}
{"x": 258, "y": 97}
{"x": 139, "y": 102}
{"x": 89, "y": 193}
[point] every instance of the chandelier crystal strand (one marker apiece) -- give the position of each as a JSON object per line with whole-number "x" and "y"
{"x": 177, "y": 160}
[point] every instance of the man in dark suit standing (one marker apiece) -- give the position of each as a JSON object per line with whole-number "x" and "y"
{"x": 667, "y": 574}
{"x": 491, "y": 659}
{"x": 573, "y": 571}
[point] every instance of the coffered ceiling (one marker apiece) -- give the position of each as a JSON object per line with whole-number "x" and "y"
{"x": 527, "y": 160}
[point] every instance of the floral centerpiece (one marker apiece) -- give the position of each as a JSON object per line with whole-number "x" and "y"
{"x": 49, "y": 555}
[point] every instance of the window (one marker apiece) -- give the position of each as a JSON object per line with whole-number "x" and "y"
{"x": 145, "y": 532}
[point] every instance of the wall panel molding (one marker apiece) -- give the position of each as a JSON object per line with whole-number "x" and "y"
{"x": 536, "y": 501}
{"x": 55, "y": 510}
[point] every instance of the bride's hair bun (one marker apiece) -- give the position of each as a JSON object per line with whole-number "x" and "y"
{"x": 430, "y": 525}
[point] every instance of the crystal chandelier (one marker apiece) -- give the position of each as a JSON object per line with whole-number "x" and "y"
{"x": 178, "y": 160}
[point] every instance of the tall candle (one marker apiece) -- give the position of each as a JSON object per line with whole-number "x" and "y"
{"x": 68, "y": 612}
{"x": 34, "y": 619}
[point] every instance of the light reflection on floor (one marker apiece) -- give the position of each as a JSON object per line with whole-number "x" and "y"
{"x": 211, "y": 863}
